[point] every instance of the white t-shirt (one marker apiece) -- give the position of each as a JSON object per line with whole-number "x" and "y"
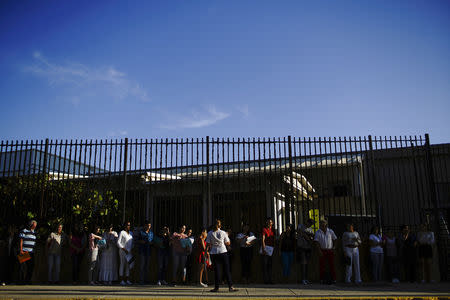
{"x": 376, "y": 239}
{"x": 217, "y": 240}
{"x": 325, "y": 239}
{"x": 125, "y": 240}
{"x": 425, "y": 238}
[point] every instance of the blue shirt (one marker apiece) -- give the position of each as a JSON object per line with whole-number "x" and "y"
{"x": 145, "y": 249}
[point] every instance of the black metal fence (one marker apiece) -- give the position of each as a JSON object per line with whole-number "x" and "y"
{"x": 385, "y": 181}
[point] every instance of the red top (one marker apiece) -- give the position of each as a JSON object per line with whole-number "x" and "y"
{"x": 269, "y": 236}
{"x": 201, "y": 253}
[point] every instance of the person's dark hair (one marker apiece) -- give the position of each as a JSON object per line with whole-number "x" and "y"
{"x": 181, "y": 226}
{"x": 374, "y": 228}
{"x": 95, "y": 227}
{"x": 404, "y": 226}
{"x": 347, "y": 226}
{"x": 203, "y": 230}
{"x": 126, "y": 223}
{"x": 146, "y": 222}
{"x": 57, "y": 226}
{"x": 310, "y": 221}
{"x": 217, "y": 224}
{"x": 244, "y": 225}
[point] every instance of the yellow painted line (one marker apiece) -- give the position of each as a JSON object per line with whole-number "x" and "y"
{"x": 234, "y": 297}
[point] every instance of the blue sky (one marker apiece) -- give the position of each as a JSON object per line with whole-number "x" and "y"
{"x": 152, "y": 69}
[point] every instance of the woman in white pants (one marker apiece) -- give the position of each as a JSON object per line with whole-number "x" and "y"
{"x": 125, "y": 243}
{"x": 376, "y": 252}
{"x": 350, "y": 243}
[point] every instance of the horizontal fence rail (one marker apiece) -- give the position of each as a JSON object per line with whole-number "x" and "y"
{"x": 383, "y": 181}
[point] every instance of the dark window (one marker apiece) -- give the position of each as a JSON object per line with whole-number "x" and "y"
{"x": 340, "y": 190}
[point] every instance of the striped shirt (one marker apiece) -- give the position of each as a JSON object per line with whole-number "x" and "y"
{"x": 29, "y": 240}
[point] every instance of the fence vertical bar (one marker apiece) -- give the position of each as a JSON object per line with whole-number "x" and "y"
{"x": 125, "y": 180}
{"x": 43, "y": 182}
{"x": 291, "y": 185}
{"x": 374, "y": 183}
{"x": 208, "y": 185}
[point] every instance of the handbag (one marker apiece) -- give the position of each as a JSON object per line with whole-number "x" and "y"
{"x": 23, "y": 257}
{"x": 208, "y": 263}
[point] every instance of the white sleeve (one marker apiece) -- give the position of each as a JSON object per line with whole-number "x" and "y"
{"x": 226, "y": 239}
{"x": 119, "y": 241}
{"x": 333, "y": 235}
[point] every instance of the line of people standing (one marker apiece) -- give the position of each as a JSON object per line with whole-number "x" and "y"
{"x": 110, "y": 256}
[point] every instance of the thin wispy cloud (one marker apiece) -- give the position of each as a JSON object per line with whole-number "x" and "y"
{"x": 87, "y": 80}
{"x": 197, "y": 119}
{"x": 118, "y": 133}
{"x": 243, "y": 109}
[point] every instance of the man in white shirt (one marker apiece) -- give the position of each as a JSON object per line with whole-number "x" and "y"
{"x": 325, "y": 238}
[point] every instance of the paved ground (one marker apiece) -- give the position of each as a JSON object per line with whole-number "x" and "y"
{"x": 365, "y": 291}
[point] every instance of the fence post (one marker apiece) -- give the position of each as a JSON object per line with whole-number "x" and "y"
{"x": 374, "y": 185}
{"x": 291, "y": 188}
{"x": 208, "y": 186}
{"x": 44, "y": 168}
{"x": 125, "y": 166}
{"x": 435, "y": 201}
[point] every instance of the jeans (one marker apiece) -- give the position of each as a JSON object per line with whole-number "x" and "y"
{"x": 393, "y": 267}
{"x": 267, "y": 268}
{"x": 76, "y": 262}
{"x": 377, "y": 264}
{"x": 54, "y": 266}
{"x": 144, "y": 259}
{"x": 353, "y": 253}
{"x": 303, "y": 257}
{"x": 221, "y": 264}
{"x": 246, "y": 254}
{"x": 287, "y": 258}
{"x": 178, "y": 260}
{"x": 92, "y": 272}
{"x": 409, "y": 267}
{"x": 163, "y": 263}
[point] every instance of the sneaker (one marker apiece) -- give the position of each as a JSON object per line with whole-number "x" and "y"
{"x": 305, "y": 282}
{"x": 203, "y": 284}
{"x": 92, "y": 283}
{"x": 232, "y": 289}
{"x": 214, "y": 290}
{"x": 123, "y": 283}
{"x": 395, "y": 280}
{"x": 129, "y": 282}
{"x": 158, "y": 283}
{"x": 164, "y": 282}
